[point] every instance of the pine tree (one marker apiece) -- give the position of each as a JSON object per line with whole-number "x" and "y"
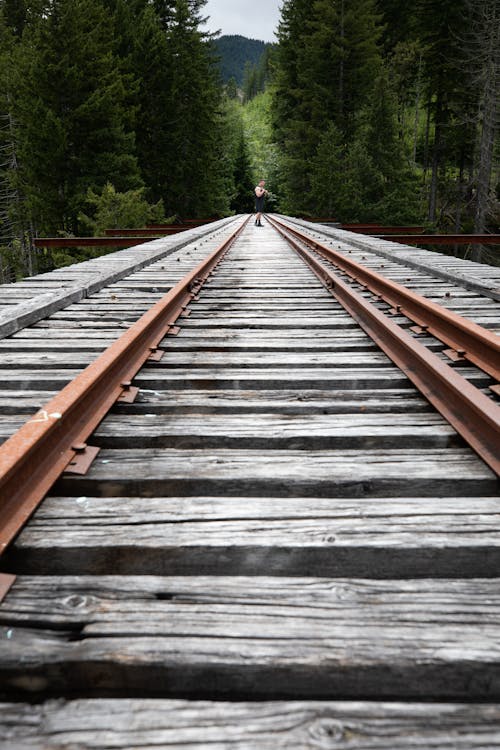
{"x": 399, "y": 23}
{"x": 328, "y": 174}
{"x": 327, "y": 57}
{"x": 250, "y": 83}
{"x": 196, "y": 186}
{"x": 241, "y": 201}
{"x": 74, "y": 131}
{"x": 439, "y": 25}
{"x": 152, "y": 63}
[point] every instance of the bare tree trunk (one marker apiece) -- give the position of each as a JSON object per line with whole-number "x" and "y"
{"x": 436, "y": 162}
{"x": 489, "y": 114}
{"x": 426, "y": 145}
{"x": 341, "y": 67}
{"x": 417, "y": 107}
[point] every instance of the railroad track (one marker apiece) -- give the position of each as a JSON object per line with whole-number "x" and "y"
{"x": 280, "y": 542}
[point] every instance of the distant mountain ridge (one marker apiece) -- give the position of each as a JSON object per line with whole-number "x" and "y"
{"x": 234, "y": 52}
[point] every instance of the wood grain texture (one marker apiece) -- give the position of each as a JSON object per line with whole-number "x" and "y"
{"x": 298, "y": 536}
{"x": 259, "y": 637}
{"x": 268, "y": 431}
{"x": 86, "y": 278}
{"x": 279, "y": 516}
{"x": 291, "y": 473}
{"x": 186, "y": 725}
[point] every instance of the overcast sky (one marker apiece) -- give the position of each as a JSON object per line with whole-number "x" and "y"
{"x": 256, "y": 19}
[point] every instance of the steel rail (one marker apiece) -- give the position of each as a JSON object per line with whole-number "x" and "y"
{"x": 470, "y": 412}
{"x": 38, "y": 453}
{"x": 469, "y": 340}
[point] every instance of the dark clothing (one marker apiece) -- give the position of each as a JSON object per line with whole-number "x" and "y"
{"x": 259, "y": 203}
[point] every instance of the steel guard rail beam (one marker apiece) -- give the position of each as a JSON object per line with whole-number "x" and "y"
{"x": 471, "y": 341}
{"x": 472, "y": 414}
{"x": 38, "y": 453}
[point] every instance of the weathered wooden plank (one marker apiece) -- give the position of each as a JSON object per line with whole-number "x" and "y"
{"x": 282, "y": 401}
{"x": 394, "y": 538}
{"x": 237, "y": 378}
{"x": 270, "y": 637}
{"x": 210, "y": 401}
{"x": 329, "y": 473}
{"x": 266, "y": 431}
{"x": 23, "y": 402}
{"x": 91, "y": 276}
{"x": 274, "y": 431}
{"x": 253, "y": 320}
{"x": 196, "y": 725}
{"x": 208, "y": 359}
{"x": 286, "y": 378}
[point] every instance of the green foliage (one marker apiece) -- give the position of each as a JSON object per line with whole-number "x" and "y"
{"x": 326, "y": 62}
{"x": 12, "y": 267}
{"x": 120, "y": 91}
{"x": 196, "y": 183}
{"x": 75, "y": 130}
{"x": 231, "y": 89}
{"x": 375, "y": 113}
{"x": 262, "y": 149}
{"x": 113, "y": 210}
{"x": 112, "y": 109}
{"x": 256, "y": 77}
{"x": 237, "y": 160}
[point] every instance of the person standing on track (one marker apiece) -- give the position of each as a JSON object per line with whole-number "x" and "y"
{"x": 260, "y": 195}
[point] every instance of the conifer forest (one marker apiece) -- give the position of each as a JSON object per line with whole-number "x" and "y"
{"x": 114, "y": 113}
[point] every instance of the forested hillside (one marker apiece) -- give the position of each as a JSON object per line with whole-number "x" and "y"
{"x": 234, "y": 53}
{"x": 368, "y": 110}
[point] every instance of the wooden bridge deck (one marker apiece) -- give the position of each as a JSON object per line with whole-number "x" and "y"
{"x": 280, "y": 545}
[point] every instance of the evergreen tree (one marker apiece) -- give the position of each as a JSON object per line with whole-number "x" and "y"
{"x": 250, "y": 82}
{"x": 152, "y": 62}
{"x": 394, "y": 192}
{"x": 14, "y": 13}
{"x": 231, "y": 89}
{"x": 399, "y": 23}
{"x": 74, "y": 130}
{"x": 328, "y": 174}
{"x": 241, "y": 201}
{"x": 328, "y": 56}
{"x": 196, "y": 185}
{"x": 439, "y": 25}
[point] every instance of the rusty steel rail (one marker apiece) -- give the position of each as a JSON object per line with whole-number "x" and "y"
{"x": 470, "y": 341}
{"x": 470, "y": 412}
{"x": 54, "y": 438}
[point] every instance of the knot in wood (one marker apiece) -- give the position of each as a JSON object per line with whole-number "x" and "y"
{"x": 325, "y": 731}
{"x": 75, "y": 601}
